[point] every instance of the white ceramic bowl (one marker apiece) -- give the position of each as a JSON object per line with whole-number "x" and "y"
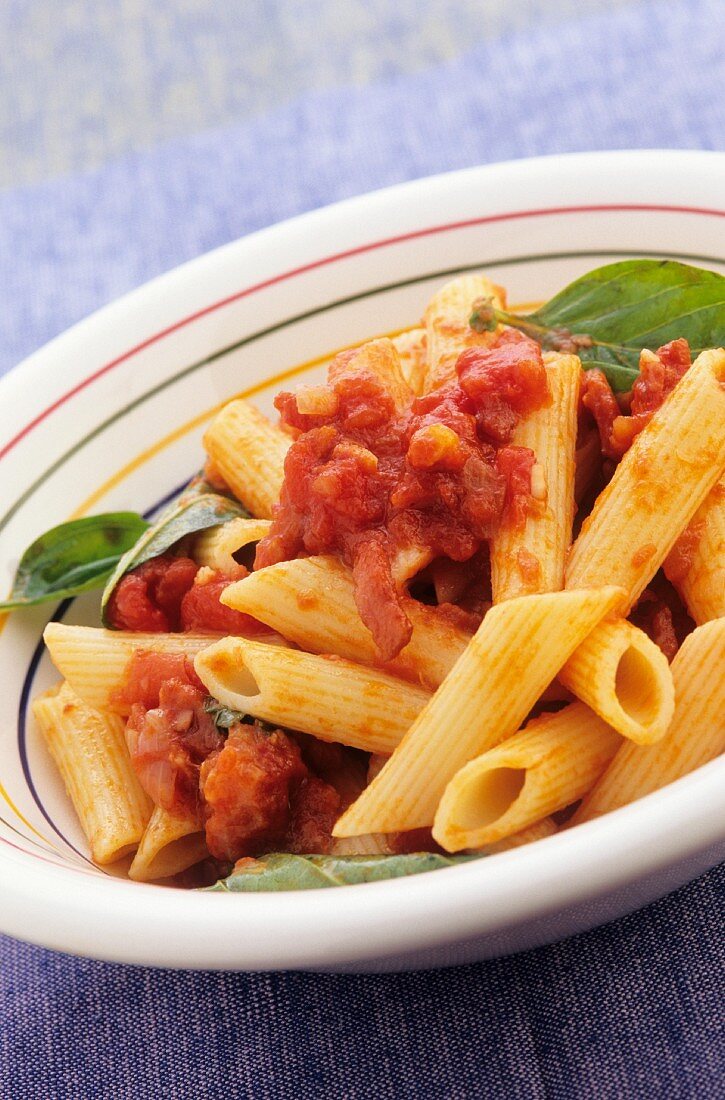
{"x": 110, "y": 416}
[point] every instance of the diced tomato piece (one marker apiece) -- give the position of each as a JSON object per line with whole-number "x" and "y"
{"x": 149, "y": 597}
{"x": 247, "y": 786}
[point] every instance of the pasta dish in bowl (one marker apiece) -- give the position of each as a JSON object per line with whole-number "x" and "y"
{"x": 450, "y": 599}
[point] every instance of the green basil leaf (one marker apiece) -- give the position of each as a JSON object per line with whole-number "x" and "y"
{"x": 73, "y": 557}
{"x": 611, "y": 314}
{"x": 197, "y": 508}
{"x": 224, "y": 717}
{"x": 282, "y": 871}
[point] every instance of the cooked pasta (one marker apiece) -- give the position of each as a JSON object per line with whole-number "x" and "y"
{"x": 658, "y": 486}
{"x": 249, "y": 452}
{"x": 696, "y": 735}
{"x": 546, "y": 767}
{"x": 311, "y": 601}
{"x": 90, "y": 752}
{"x": 447, "y": 328}
{"x": 216, "y": 547}
{"x": 94, "y": 660}
{"x": 531, "y": 558}
{"x": 171, "y": 843}
{"x": 516, "y": 652}
{"x": 698, "y": 570}
{"x": 329, "y": 697}
{"x": 431, "y": 632}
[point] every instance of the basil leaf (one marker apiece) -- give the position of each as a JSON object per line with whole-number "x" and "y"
{"x": 73, "y": 557}
{"x": 282, "y": 871}
{"x": 197, "y": 508}
{"x": 224, "y": 717}
{"x": 611, "y": 314}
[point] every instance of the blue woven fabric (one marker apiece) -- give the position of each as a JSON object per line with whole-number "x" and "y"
{"x": 633, "y": 1009}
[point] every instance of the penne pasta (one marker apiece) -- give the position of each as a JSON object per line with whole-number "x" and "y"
{"x": 379, "y": 358}
{"x": 447, "y": 327}
{"x": 696, "y": 735}
{"x": 531, "y": 559}
{"x": 374, "y": 844}
{"x": 382, "y": 722}
{"x": 698, "y": 572}
{"x": 518, "y": 649}
{"x": 624, "y": 677}
{"x": 329, "y": 697}
{"x": 249, "y": 452}
{"x": 545, "y": 767}
{"x": 89, "y": 749}
{"x": 539, "y": 831}
{"x": 170, "y": 844}
{"x": 411, "y": 348}
{"x": 660, "y": 483}
{"x": 217, "y": 546}
{"x": 311, "y": 602}
{"x": 94, "y": 660}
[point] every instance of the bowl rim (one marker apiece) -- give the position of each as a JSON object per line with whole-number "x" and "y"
{"x": 372, "y": 921}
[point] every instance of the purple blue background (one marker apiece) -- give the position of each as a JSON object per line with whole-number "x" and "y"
{"x": 135, "y": 136}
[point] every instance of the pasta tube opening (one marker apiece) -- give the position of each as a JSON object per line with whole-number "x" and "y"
{"x": 541, "y": 769}
{"x": 488, "y": 795}
{"x": 636, "y": 686}
{"x": 624, "y": 677}
{"x": 333, "y": 699}
{"x": 236, "y": 675}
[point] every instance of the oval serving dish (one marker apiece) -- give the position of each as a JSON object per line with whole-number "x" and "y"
{"x": 109, "y": 417}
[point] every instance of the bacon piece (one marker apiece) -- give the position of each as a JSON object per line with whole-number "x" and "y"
{"x": 598, "y": 397}
{"x": 315, "y": 807}
{"x": 246, "y": 787}
{"x": 662, "y": 616}
{"x": 377, "y": 599}
{"x": 658, "y": 375}
{"x": 169, "y": 742}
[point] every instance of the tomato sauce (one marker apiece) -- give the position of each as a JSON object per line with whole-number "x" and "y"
{"x": 171, "y": 593}
{"x": 658, "y": 375}
{"x": 366, "y": 481}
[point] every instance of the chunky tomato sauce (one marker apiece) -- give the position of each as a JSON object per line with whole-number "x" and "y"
{"x": 658, "y": 375}
{"x": 253, "y": 791}
{"x": 171, "y": 593}
{"x": 367, "y": 481}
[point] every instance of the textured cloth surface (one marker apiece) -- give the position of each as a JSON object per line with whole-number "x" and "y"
{"x": 632, "y": 1009}
{"x": 608, "y": 81}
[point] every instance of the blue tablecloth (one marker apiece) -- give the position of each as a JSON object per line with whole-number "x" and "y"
{"x": 633, "y": 1009}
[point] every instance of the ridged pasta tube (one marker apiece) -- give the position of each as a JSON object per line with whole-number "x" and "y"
{"x": 531, "y": 559}
{"x": 170, "y": 844}
{"x": 311, "y": 601}
{"x": 217, "y": 546}
{"x": 696, "y": 735}
{"x": 447, "y": 327}
{"x": 545, "y": 767}
{"x": 702, "y": 584}
{"x": 89, "y": 749}
{"x": 517, "y": 650}
{"x": 411, "y": 348}
{"x": 329, "y": 697}
{"x": 658, "y": 486}
{"x": 625, "y": 678}
{"x": 249, "y": 451}
{"x": 94, "y": 660}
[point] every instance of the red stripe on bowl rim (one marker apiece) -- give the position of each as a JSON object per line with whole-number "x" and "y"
{"x": 335, "y": 258}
